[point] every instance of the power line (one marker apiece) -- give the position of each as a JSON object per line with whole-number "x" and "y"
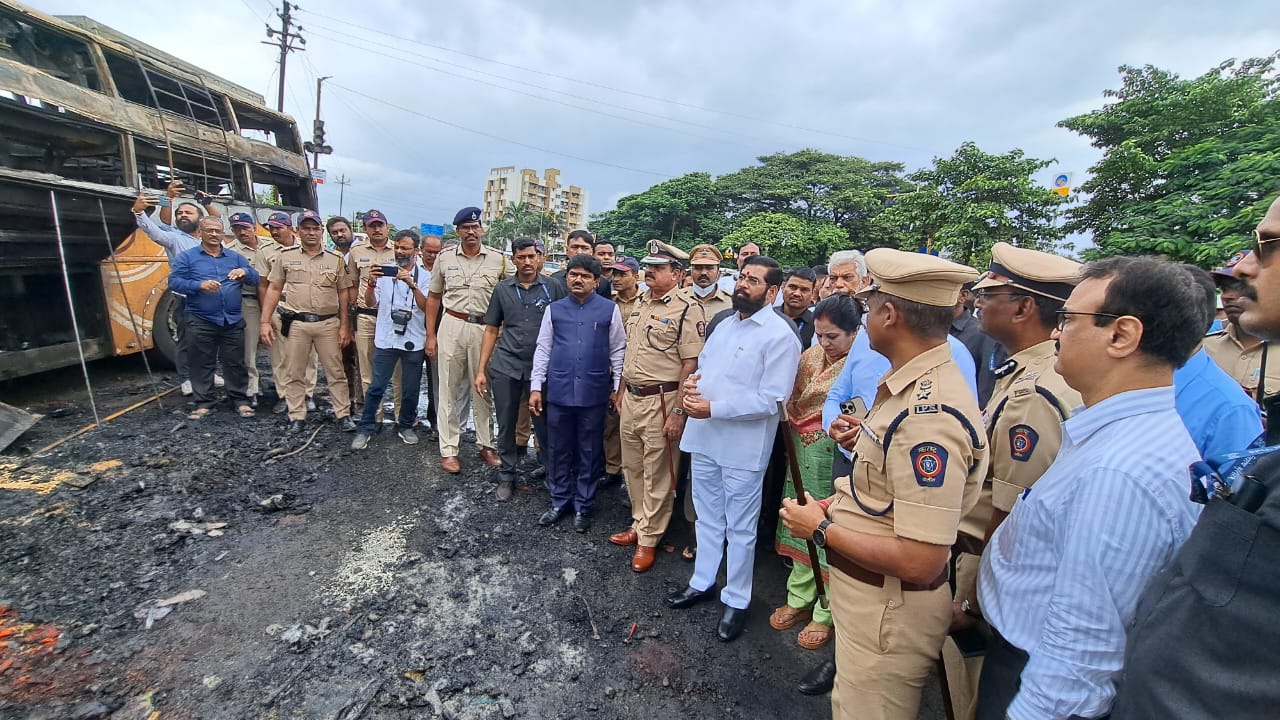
{"x": 383, "y": 33}
{"x": 482, "y": 133}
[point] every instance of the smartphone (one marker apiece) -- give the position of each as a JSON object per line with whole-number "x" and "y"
{"x": 854, "y": 406}
{"x": 389, "y": 270}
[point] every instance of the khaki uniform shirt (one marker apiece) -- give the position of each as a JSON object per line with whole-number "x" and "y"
{"x": 310, "y": 283}
{"x": 257, "y": 261}
{"x": 661, "y": 332}
{"x": 708, "y": 307}
{"x": 362, "y": 258}
{"x": 626, "y": 307}
{"x": 1024, "y": 423}
{"x": 1243, "y": 365}
{"x": 920, "y": 459}
{"x": 466, "y": 284}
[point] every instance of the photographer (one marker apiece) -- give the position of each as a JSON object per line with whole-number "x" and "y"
{"x": 400, "y": 336}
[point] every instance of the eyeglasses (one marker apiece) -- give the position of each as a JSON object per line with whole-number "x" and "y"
{"x": 985, "y": 294}
{"x": 1064, "y": 314}
{"x": 1258, "y": 244}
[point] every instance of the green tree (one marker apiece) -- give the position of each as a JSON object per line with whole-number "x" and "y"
{"x": 966, "y": 203}
{"x": 686, "y": 209}
{"x": 846, "y": 191}
{"x": 1189, "y": 166}
{"x": 522, "y": 220}
{"x": 788, "y": 239}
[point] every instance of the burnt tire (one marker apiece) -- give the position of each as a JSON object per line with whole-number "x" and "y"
{"x": 164, "y": 326}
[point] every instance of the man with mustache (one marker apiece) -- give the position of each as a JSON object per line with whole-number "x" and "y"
{"x": 1235, "y": 350}
{"x": 1204, "y": 641}
{"x": 744, "y": 370}
{"x": 362, "y": 259}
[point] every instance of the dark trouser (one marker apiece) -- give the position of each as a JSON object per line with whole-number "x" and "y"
{"x": 508, "y": 394}
{"x": 1001, "y": 677}
{"x": 433, "y": 380}
{"x": 575, "y": 454}
{"x": 384, "y": 365}
{"x": 206, "y": 343}
{"x": 352, "y": 367}
{"x": 775, "y": 477}
{"x": 181, "y": 359}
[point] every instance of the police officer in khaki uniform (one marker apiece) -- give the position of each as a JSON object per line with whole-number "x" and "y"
{"x": 462, "y": 283}
{"x": 918, "y": 465}
{"x": 247, "y": 243}
{"x": 280, "y": 225}
{"x": 663, "y": 343}
{"x": 1243, "y": 356}
{"x": 309, "y": 283}
{"x": 1019, "y": 296}
{"x": 626, "y": 292}
{"x": 361, "y": 260}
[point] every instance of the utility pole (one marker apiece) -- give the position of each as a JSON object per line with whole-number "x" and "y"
{"x": 343, "y": 182}
{"x": 285, "y": 43}
{"x": 318, "y": 145}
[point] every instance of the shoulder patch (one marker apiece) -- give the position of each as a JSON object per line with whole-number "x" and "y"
{"x": 702, "y": 328}
{"x": 929, "y": 462}
{"x": 1022, "y": 442}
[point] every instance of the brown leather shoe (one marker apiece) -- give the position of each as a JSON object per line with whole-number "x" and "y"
{"x": 643, "y": 559}
{"x": 626, "y": 538}
{"x": 450, "y": 465}
{"x": 490, "y": 457}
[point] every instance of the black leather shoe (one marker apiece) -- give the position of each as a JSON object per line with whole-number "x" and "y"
{"x": 732, "y": 623}
{"x": 538, "y": 473}
{"x": 611, "y": 479}
{"x": 581, "y": 523}
{"x": 347, "y": 424}
{"x": 553, "y": 516}
{"x": 688, "y": 597}
{"x": 253, "y": 401}
{"x": 819, "y": 680}
{"x": 296, "y": 426}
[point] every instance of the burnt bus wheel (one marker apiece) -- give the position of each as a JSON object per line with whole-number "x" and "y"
{"x": 164, "y": 326}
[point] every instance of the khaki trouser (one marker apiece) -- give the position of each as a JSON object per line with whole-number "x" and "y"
{"x": 252, "y": 313}
{"x": 318, "y": 339}
{"x": 645, "y": 454}
{"x": 962, "y": 672}
{"x": 887, "y": 642}
{"x": 365, "y": 327}
{"x": 524, "y": 423}
{"x": 612, "y": 444}
{"x": 279, "y": 358}
{"x": 458, "y": 355}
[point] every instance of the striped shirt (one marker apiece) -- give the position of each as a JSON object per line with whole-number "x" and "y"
{"x": 1061, "y": 576}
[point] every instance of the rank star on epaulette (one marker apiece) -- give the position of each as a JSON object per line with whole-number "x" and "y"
{"x": 926, "y": 387}
{"x": 1006, "y": 368}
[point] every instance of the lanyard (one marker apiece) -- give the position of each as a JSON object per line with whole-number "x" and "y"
{"x": 1220, "y": 475}
{"x": 408, "y": 293}
{"x": 545, "y": 295}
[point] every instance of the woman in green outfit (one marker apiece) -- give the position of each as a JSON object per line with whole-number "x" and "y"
{"x": 836, "y": 321}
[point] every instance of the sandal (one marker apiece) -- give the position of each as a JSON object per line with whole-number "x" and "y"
{"x": 689, "y": 553}
{"x": 198, "y": 414}
{"x": 786, "y": 617}
{"x": 818, "y": 633}
{"x": 245, "y": 411}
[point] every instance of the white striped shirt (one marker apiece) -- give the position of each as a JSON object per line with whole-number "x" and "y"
{"x": 1061, "y": 576}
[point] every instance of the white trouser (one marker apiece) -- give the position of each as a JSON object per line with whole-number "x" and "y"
{"x": 728, "y": 505}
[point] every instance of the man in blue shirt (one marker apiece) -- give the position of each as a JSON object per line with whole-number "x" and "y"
{"x": 1219, "y": 417}
{"x": 213, "y": 280}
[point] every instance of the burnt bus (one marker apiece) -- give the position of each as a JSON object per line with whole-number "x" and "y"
{"x": 90, "y": 117}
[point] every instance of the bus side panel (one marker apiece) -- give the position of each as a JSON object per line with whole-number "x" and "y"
{"x": 134, "y": 282}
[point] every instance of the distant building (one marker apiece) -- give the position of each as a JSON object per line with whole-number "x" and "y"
{"x": 507, "y": 186}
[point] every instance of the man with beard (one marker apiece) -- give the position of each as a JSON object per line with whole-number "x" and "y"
{"x": 1234, "y": 349}
{"x": 662, "y": 350}
{"x": 578, "y": 364}
{"x": 280, "y": 225}
{"x": 732, "y": 400}
{"x": 340, "y": 239}
{"x": 247, "y": 244}
{"x": 1204, "y": 641}
{"x": 361, "y": 261}
{"x": 506, "y": 352}
{"x": 604, "y": 250}
{"x": 175, "y": 239}
{"x": 340, "y": 233}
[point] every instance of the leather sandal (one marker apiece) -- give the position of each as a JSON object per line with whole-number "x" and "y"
{"x": 787, "y": 617}
{"x": 818, "y": 636}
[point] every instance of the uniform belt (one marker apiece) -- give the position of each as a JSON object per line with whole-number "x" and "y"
{"x": 312, "y": 317}
{"x": 367, "y": 311}
{"x": 648, "y": 390}
{"x": 861, "y": 574}
{"x": 475, "y": 319}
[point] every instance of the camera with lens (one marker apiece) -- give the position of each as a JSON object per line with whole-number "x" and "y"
{"x": 400, "y": 320}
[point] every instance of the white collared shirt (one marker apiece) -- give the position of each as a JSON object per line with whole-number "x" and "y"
{"x": 746, "y": 368}
{"x": 393, "y": 294}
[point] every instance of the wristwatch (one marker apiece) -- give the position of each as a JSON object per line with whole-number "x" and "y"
{"x": 679, "y": 411}
{"x": 820, "y": 534}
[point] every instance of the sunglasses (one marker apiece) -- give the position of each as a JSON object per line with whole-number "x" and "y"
{"x": 1259, "y": 244}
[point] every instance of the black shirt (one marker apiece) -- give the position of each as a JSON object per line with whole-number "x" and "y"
{"x": 518, "y": 311}
{"x": 987, "y": 353}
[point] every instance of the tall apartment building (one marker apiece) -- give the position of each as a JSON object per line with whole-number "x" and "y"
{"x": 507, "y": 186}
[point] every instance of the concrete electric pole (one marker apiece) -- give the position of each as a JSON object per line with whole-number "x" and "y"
{"x": 285, "y": 43}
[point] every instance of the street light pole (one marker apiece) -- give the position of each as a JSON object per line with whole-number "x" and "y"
{"x": 315, "y": 156}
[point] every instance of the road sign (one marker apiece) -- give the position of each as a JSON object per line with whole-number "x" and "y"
{"x": 437, "y": 230}
{"x": 1062, "y": 184}
{"x": 319, "y": 175}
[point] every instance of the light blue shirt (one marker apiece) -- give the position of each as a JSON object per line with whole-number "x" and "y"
{"x": 1061, "y": 576}
{"x": 1220, "y": 417}
{"x": 170, "y": 238}
{"x": 864, "y": 367}
{"x": 395, "y": 295}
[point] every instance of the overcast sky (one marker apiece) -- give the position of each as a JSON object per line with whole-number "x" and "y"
{"x": 426, "y": 97}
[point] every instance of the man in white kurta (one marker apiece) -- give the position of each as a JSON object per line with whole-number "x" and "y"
{"x": 746, "y": 368}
